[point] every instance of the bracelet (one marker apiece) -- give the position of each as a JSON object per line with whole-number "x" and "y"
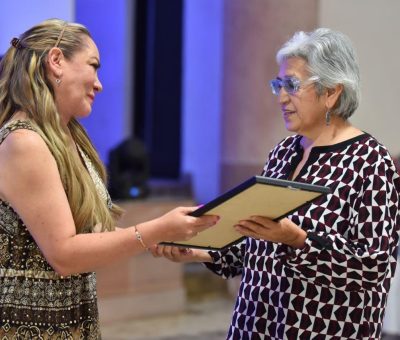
{"x": 139, "y": 238}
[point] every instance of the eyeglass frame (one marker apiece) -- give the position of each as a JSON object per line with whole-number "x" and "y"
{"x": 297, "y": 84}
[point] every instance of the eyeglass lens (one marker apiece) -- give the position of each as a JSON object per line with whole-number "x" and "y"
{"x": 290, "y": 84}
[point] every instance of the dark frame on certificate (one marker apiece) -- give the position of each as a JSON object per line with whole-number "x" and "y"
{"x": 264, "y": 196}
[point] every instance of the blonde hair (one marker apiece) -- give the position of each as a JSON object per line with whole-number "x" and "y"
{"x": 24, "y": 86}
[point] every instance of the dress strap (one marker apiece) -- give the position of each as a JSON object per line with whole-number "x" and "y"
{"x": 9, "y": 127}
{"x": 100, "y": 186}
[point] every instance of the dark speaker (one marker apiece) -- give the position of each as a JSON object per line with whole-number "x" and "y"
{"x": 129, "y": 170}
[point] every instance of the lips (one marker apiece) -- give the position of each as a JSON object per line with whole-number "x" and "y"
{"x": 287, "y": 113}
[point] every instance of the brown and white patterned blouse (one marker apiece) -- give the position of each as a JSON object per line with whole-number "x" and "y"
{"x": 336, "y": 286}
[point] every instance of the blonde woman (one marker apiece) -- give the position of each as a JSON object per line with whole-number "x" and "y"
{"x": 56, "y": 217}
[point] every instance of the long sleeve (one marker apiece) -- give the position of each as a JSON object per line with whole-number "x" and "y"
{"x": 361, "y": 252}
{"x": 229, "y": 262}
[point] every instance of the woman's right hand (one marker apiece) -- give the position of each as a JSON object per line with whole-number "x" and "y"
{"x": 178, "y": 254}
{"x": 177, "y": 225}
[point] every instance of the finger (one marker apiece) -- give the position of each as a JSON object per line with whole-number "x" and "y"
{"x": 159, "y": 250}
{"x": 202, "y": 227}
{"x": 206, "y": 221}
{"x": 207, "y": 218}
{"x": 154, "y": 251}
{"x": 178, "y": 254}
{"x": 188, "y": 210}
{"x": 163, "y": 251}
{"x": 243, "y": 230}
{"x": 251, "y": 225}
{"x": 186, "y": 251}
{"x": 175, "y": 253}
{"x": 263, "y": 220}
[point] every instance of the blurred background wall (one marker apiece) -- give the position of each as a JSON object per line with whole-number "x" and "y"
{"x": 190, "y": 77}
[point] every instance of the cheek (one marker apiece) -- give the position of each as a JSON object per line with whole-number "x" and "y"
{"x": 309, "y": 110}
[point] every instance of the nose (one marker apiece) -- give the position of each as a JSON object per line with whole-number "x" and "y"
{"x": 283, "y": 96}
{"x": 98, "y": 87}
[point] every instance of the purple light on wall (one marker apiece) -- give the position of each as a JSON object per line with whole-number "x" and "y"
{"x": 201, "y": 96}
{"x": 107, "y": 22}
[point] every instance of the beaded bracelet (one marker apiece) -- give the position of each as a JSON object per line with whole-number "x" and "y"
{"x": 139, "y": 238}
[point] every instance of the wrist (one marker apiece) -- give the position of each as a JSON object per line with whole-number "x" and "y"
{"x": 202, "y": 256}
{"x": 139, "y": 238}
{"x": 300, "y": 241}
{"x": 147, "y": 233}
{"x": 296, "y": 237}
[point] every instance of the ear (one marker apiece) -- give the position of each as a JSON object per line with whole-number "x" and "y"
{"x": 55, "y": 60}
{"x": 332, "y": 96}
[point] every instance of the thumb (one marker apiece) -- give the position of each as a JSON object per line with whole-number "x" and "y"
{"x": 188, "y": 210}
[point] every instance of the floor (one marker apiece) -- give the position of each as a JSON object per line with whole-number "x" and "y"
{"x": 202, "y": 320}
{"x": 207, "y": 314}
{"x": 206, "y": 317}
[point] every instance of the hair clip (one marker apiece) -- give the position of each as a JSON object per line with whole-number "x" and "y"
{"x": 16, "y": 42}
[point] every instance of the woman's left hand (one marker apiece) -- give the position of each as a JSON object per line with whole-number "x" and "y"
{"x": 283, "y": 231}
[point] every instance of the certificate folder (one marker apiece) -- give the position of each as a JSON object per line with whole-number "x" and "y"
{"x": 270, "y": 197}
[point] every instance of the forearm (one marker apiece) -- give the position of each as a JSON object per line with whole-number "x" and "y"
{"x": 342, "y": 264}
{"x": 87, "y": 252}
{"x": 202, "y": 256}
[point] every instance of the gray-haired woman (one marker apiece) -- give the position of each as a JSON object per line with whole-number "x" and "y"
{"x": 325, "y": 271}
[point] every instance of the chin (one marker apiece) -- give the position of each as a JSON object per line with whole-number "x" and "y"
{"x": 291, "y": 127}
{"x": 85, "y": 112}
{"x": 82, "y": 115}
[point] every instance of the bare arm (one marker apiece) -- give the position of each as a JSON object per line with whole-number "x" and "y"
{"x": 30, "y": 182}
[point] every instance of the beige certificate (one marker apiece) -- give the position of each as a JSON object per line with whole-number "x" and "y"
{"x": 274, "y": 198}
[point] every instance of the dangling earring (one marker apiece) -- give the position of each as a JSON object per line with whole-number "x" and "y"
{"x": 328, "y": 118}
{"x": 58, "y": 81}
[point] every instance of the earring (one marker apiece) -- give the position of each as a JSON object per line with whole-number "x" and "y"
{"x": 328, "y": 118}
{"x": 58, "y": 81}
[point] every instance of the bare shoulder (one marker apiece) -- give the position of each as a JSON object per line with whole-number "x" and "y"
{"x": 23, "y": 144}
{"x": 25, "y": 161}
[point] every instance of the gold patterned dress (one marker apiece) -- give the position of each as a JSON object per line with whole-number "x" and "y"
{"x": 36, "y": 302}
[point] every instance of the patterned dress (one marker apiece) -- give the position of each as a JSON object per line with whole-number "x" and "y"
{"x": 36, "y": 302}
{"x": 336, "y": 286}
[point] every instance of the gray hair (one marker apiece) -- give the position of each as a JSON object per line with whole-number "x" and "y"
{"x": 330, "y": 56}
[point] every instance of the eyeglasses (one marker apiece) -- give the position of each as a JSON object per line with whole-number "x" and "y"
{"x": 290, "y": 84}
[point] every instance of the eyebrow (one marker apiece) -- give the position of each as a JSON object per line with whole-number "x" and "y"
{"x": 97, "y": 61}
{"x": 287, "y": 76}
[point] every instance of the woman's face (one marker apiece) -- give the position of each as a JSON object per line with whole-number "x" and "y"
{"x": 79, "y": 82}
{"x": 303, "y": 111}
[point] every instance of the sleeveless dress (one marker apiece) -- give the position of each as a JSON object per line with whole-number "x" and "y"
{"x": 35, "y": 301}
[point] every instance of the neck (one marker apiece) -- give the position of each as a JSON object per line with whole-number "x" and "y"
{"x": 337, "y": 131}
